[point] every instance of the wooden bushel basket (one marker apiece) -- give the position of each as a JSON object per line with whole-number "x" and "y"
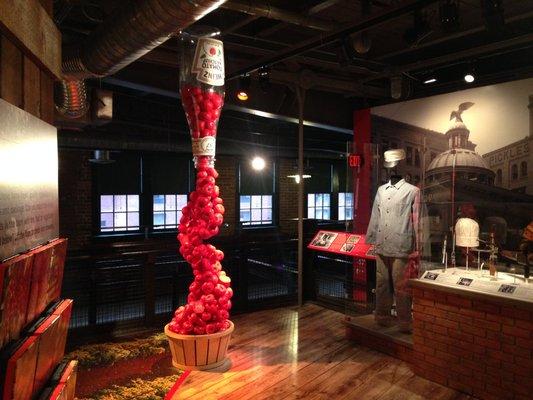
{"x": 199, "y": 352}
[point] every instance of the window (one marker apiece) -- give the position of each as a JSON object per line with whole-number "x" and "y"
{"x": 409, "y": 155}
{"x": 318, "y": 206}
{"x": 523, "y": 169}
{"x": 119, "y": 213}
{"x": 256, "y": 210}
{"x": 167, "y": 210}
{"x": 514, "y": 172}
{"x": 499, "y": 177}
{"x": 417, "y": 158}
{"x": 345, "y": 206}
{"x": 257, "y": 194}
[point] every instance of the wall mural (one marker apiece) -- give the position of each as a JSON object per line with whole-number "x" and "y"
{"x": 470, "y": 153}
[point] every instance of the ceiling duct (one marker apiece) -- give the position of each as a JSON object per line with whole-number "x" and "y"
{"x": 126, "y": 35}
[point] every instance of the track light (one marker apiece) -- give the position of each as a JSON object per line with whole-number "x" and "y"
{"x": 449, "y": 15}
{"x": 493, "y": 15}
{"x": 264, "y": 78}
{"x": 258, "y": 163}
{"x": 244, "y": 86}
{"x": 419, "y": 30}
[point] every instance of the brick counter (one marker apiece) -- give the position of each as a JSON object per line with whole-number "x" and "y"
{"x": 477, "y": 344}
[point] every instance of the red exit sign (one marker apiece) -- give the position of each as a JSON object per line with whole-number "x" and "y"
{"x": 354, "y": 160}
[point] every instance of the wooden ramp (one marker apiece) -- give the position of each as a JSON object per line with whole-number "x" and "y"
{"x": 302, "y": 353}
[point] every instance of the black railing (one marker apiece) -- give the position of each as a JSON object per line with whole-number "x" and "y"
{"x": 121, "y": 288}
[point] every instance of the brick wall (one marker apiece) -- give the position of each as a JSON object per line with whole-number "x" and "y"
{"x": 75, "y": 195}
{"x": 288, "y": 197}
{"x": 227, "y": 181}
{"x": 478, "y": 347}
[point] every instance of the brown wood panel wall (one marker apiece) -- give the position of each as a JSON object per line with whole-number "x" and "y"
{"x": 23, "y": 83}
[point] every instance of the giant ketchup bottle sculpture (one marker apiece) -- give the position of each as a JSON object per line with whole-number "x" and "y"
{"x": 202, "y": 96}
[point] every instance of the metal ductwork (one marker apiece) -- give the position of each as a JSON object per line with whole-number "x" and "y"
{"x": 268, "y": 11}
{"x": 126, "y": 35}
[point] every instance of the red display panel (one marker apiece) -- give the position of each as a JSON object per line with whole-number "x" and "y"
{"x": 38, "y": 299}
{"x": 47, "y": 360}
{"x": 20, "y": 371}
{"x": 57, "y": 264}
{"x": 16, "y": 274}
{"x": 64, "y": 311}
{"x": 348, "y": 244}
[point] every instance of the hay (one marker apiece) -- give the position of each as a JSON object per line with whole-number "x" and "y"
{"x": 103, "y": 354}
{"x": 137, "y": 389}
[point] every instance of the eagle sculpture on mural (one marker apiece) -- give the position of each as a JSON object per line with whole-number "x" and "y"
{"x": 462, "y": 107}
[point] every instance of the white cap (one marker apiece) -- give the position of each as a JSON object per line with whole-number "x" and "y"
{"x": 466, "y": 233}
{"x": 393, "y": 157}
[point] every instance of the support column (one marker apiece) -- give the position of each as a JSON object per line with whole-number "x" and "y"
{"x": 300, "y": 92}
{"x": 362, "y": 145}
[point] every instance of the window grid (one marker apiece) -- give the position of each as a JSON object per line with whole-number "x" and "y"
{"x": 318, "y": 206}
{"x": 119, "y": 213}
{"x": 256, "y": 210}
{"x": 167, "y": 210}
{"x": 345, "y": 206}
{"x": 523, "y": 169}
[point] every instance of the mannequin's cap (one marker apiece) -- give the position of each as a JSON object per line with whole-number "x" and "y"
{"x": 466, "y": 233}
{"x": 393, "y": 157}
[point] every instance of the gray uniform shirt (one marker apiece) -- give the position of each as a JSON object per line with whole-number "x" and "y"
{"x": 391, "y": 229}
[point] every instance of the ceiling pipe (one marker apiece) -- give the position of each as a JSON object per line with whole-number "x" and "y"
{"x": 324, "y": 39}
{"x": 126, "y": 35}
{"x": 267, "y": 11}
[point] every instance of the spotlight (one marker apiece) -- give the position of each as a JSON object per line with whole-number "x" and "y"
{"x": 244, "y": 86}
{"x": 258, "y": 163}
{"x": 297, "y": 177}
{"x": 264, "y": 78}
{"x": 469, "y": 78}
{"x": 430, "y": 80}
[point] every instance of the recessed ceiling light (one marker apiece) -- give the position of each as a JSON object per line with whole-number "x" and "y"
{"x": 469, "y": 78}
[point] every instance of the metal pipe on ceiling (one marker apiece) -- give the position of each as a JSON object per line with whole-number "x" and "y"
{"x": 324, "y": 39}
{"x": 526, "y": 39}
{"x": 268, "y": 11}
{"x": 127, "y": 34}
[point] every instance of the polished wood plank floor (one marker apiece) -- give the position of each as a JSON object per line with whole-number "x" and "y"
{"x": 301, "y": 353}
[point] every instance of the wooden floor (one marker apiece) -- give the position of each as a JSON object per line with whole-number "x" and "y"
{"x": 294, "y": 353}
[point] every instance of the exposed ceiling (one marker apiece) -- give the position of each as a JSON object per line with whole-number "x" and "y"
{"x": 321, "y": 44}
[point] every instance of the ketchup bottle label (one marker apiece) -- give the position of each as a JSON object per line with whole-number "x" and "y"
{"x": 208, "y": 63}
{"x": 204, "y": 146}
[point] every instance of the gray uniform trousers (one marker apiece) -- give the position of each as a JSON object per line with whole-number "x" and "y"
{"x": 391, "y": 282}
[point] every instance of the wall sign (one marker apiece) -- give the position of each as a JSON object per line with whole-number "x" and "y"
{"x": 354, "y": 160}
{"x": 28, "y": 181}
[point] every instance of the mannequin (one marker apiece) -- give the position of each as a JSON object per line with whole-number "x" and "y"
{"x": 393, "y": 230}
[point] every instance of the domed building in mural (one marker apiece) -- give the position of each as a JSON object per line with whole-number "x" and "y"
{"x": 458, "y": 182}
{"x": 461, "y": 158}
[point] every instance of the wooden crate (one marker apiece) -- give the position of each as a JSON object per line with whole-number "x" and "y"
{"x": 199, "y": 352}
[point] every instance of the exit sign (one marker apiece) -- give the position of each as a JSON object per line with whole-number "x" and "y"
{"x": 354, "y": 160}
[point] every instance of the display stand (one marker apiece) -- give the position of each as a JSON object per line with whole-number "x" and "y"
{"x": 34, "y": 324}
{"x": 472, "y": 338}
{"x": 360, "y": 278}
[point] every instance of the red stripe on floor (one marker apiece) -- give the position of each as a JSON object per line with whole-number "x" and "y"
{"x": 177, "y": 385}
